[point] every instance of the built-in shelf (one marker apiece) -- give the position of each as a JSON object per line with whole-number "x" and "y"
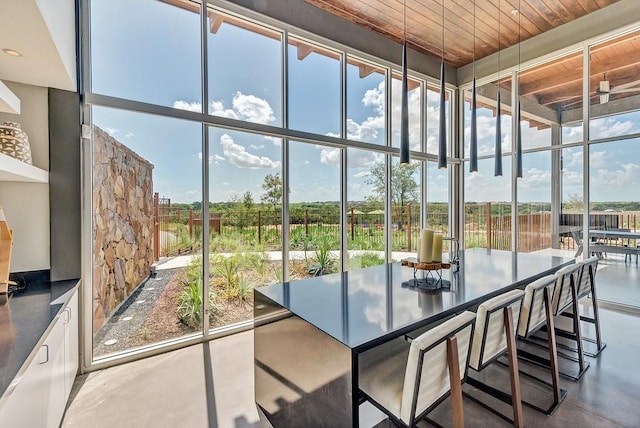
{"x": 9, "y": 102}
{"x": 14, "y": 170}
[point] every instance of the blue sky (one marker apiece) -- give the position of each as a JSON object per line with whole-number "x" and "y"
{"x": 150, "y": 51}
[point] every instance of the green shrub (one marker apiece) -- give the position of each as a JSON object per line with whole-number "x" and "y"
{"x": 365, "y": 260}
{"x": 190, "y": 302}
{"x": 323, "y": 261}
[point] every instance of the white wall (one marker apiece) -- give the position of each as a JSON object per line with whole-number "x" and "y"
{"x": 26, "y": 205}
{"x": 59, "y": 17}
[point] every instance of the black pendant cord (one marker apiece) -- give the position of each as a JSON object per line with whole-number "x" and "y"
{"x": 442, "y": 135}
{"x": 404, "y": 108}
{"x": 519, "y": 118}
{"x": 498, "y": 147}
{"x": 473, "y": 146}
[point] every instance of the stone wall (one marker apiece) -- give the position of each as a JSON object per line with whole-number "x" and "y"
{"x": 122, "y": 223}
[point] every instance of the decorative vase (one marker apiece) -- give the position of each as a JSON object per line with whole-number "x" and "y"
{"x": 14, "y": 142}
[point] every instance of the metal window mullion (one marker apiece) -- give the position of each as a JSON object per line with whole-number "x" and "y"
{"x": 86, "y": 147}
{"x": 424, "y": 194}
{"x": 456, "y": 170}
{"x": 388, "y": 241}
{"x": 344, "y": 164}
{"x": 586, "y": 107}
{"x": 515, "y": 128}
{"x": 204, "y": 78}
{"x": 285, "y": 157}
{"x": 556, "y": 184}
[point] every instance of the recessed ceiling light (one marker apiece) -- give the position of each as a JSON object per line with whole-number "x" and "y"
{"x": 514, "y": 12}
{"x": 11, "y": 52}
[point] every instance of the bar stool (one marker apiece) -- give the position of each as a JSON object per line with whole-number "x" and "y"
{"x": 408, "y": 384}
{"x": 536, "y": 313}
{"x": 586, "y": 287}
{"x": 495, "y": 335}
{"x": 565, "y": 297}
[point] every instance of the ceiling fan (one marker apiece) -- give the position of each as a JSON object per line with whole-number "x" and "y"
{"x": 605, "y": 89}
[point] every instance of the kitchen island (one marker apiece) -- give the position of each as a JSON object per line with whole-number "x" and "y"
{"x": 310, "y": 333}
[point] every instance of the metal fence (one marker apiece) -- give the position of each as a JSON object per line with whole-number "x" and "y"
{"x": 179, "y": 231}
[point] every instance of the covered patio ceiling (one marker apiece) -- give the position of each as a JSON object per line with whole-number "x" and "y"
{"x": 549, "y": 91}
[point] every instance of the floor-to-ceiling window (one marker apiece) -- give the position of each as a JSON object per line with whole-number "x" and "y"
{"x": 488, "y": 198}
{"x": 614, "y": 164}
{"x": 147, "y": 175}
{"x": 233, "y": 154}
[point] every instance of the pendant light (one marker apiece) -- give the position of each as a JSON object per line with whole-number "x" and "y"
{"x": 473, "y": 146}
{"x": 518, "y": 117}
{"x": 404, "y": 108}
{"x": 498, "y": 147}
{"x": 442, "y": 134}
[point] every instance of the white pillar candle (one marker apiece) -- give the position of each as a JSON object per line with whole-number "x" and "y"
{"x": 437, "y": 247}
{"x": 426, "y": 248}
{"x": 418, "y": 249}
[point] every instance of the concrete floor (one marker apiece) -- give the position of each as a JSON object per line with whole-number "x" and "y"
{"x": 211, "y": 385}
{"x": 208, "y": 385}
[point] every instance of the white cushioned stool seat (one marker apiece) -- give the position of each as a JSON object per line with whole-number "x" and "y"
{"x": 532, "y": 314}
{"x": 389, "y": 379}
{"x": 562, "y": 297}
{"x": 490, "y": 330}
{"x": 589, "y": 267}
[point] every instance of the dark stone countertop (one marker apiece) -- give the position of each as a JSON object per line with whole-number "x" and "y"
{"x": 25, "y": 318}
{"x": 363, "y": 307}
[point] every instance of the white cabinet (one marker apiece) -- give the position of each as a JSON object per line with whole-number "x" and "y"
{"x": 41, "y": 393}
{"x": 71, "y": 350}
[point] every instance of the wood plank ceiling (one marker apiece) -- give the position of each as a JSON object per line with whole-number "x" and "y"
{"x": 424, "y": 19}
{"x": 555, "y": 86}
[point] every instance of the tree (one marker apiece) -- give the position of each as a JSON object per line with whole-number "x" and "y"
{"x": 272, "y": 186}
{"x": 573, "y": 203}
{"x": 247, "y": 200}
{"x": 404, "y": 188}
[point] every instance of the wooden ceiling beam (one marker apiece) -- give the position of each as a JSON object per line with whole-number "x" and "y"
{"x": 613, "y": 107}
{"x": 599, "y": 66}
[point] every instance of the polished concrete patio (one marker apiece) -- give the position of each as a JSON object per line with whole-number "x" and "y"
{"x": 211, "y": 385}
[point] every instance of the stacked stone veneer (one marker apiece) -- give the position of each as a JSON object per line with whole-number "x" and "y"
{"x": 122, "y": 223}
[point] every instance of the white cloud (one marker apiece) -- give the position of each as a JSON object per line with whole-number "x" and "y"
{"x": 275, "y": 140}
{"x": 210, "y": 157}
{"x": 329, "y": 155}
{"x": 185, "y": 105}
{"x": 621, "y": 176}
{"x": 252, "y": 108}
{"x": 256, "y": 147}
{"x": 611, "y": 127}
{"x": 244, "y": 107}
{"x": 240, "y": 157}
{"x": 112, "y": 131}
{"x": 534, "y": 178}
{"x": 129, "y": 134}
{"x": 599, "y": 159}
{"x": 217, "y": 109}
